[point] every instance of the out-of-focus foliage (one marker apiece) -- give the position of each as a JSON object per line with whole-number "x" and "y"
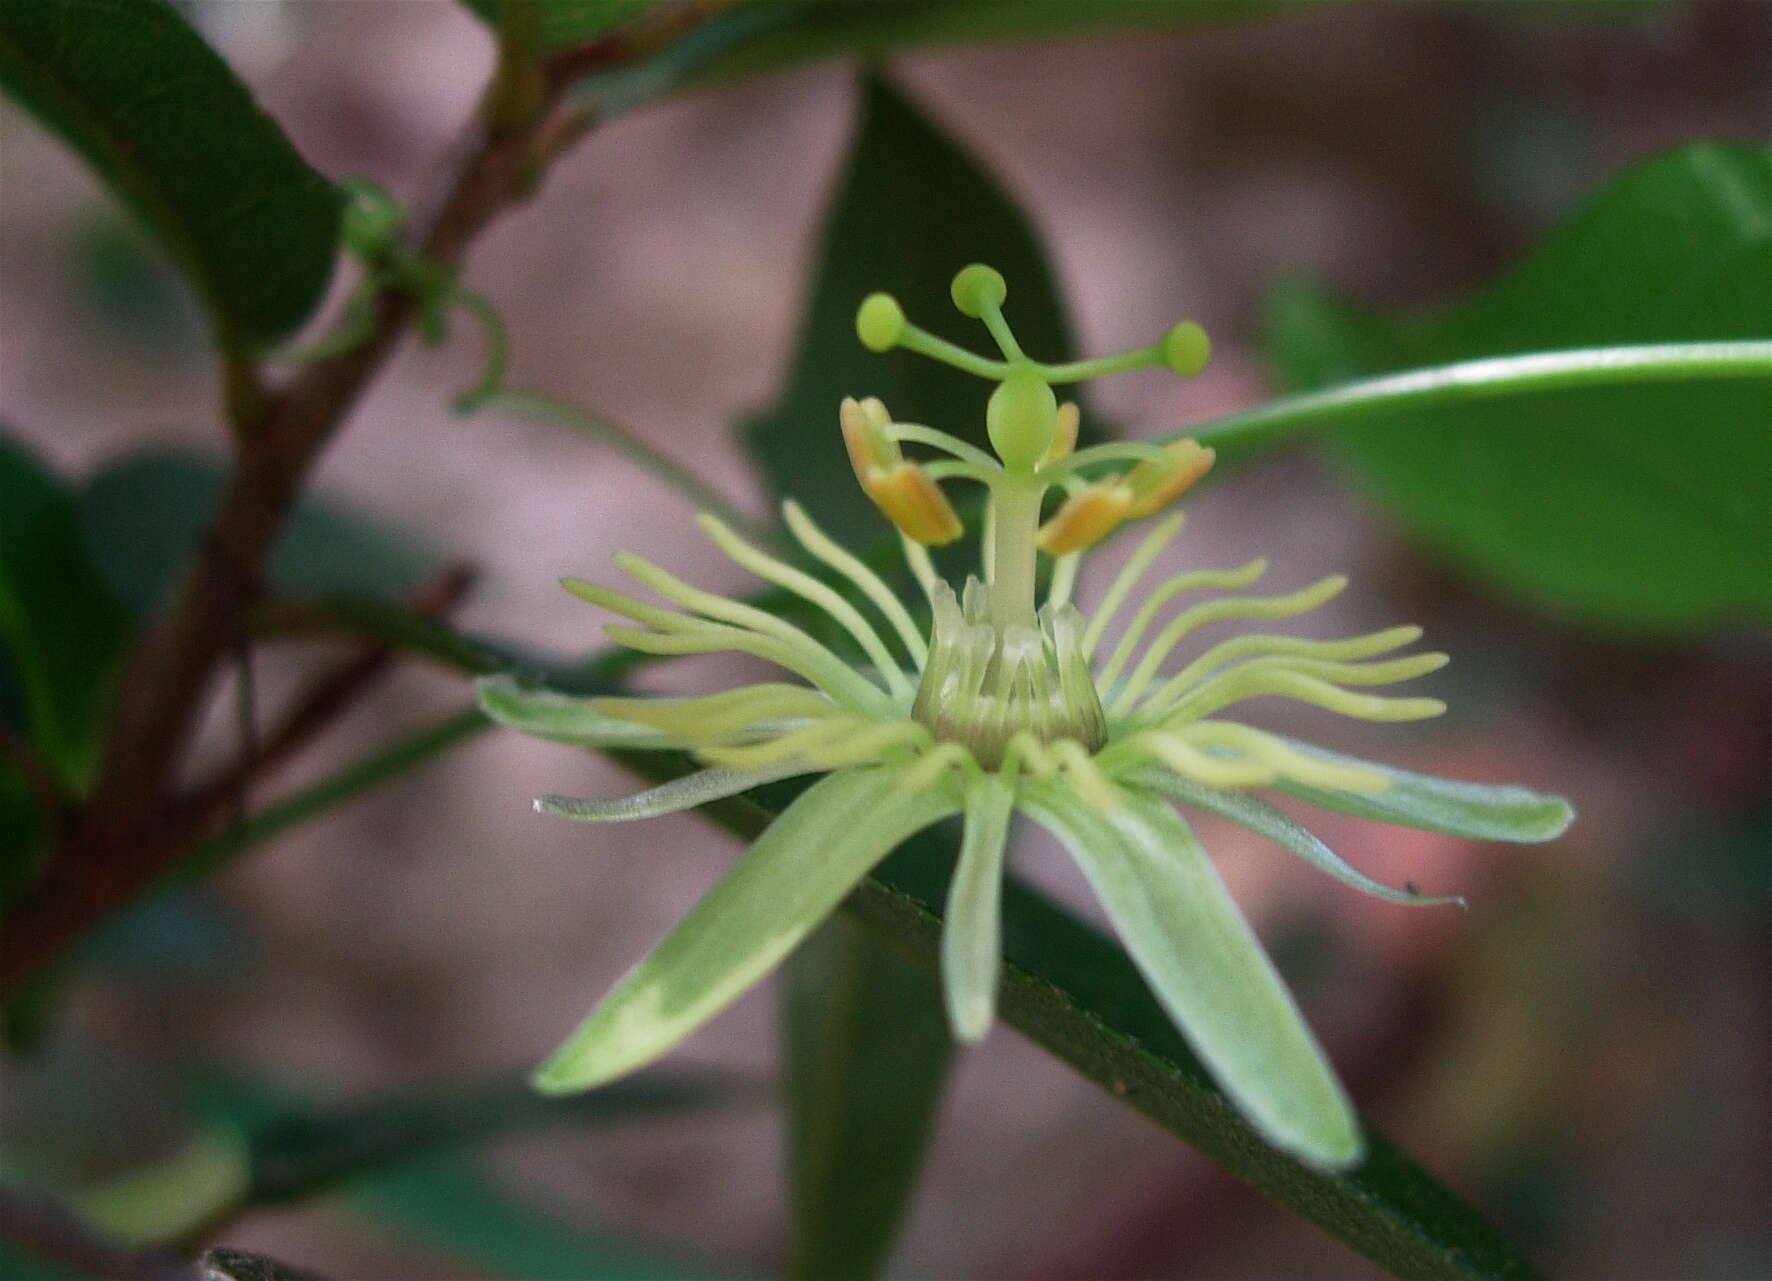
{"x": 60, "y": 629}
{"x": 1647, "y": 507}
{"x": 178, "y": 137}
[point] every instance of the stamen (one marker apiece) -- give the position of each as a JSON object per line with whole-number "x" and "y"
{"x": 1172, "y": 587}
{"x": 804, "y": 585}
{"x": 839, "y": 558}
{"x": 1064, "y": 580}
{"x": 922, "y": 568}
{"x": 1299, "y": 602}
{"x": 1127, "y": 579}
{"x": 943, "y": 441}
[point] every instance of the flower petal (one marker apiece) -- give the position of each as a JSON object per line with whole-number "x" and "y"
{"x": 1204, "y": 964}
{"x": 1264, "y": 820}
{"x": 564, "y": 718}
{"x": 788, "y": 881}
{"x": 971, "y": 932}
{"x": 683, "y": 793}
{"x": 1480, "y": 811}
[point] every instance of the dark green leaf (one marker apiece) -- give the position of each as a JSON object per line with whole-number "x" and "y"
{"x": 144, "y": 517}
{"x": 808, "y": 32}
{"x": 867, "y": 1053}
{"x": 911, "y": 209}
{"x": 61, "y": 633}
{"x": 569, "y": 22}
{"x": 179, "y": 138}
{"x": 1646, "y": 506}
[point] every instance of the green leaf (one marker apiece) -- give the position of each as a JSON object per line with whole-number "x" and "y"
{"x": 808, "y": 32}
{"x": 1206, "y": 966}
{"x": 911, "y": 209}
{"x": 144, "y": 517}
{"x": 785, "y": 884}
{"x": 178, "y": 137}
{"x": 565, "y": 23}
{"x": 1642, "y": 507}
{"x": 867, "y": 1052}
{"x": 61, "y": 632}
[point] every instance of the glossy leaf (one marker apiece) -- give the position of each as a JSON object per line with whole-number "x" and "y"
{"x": 911, "y": 209}
{"x": 783, "y": 886}
{"x": 144, "y": 517}
{"x": 867, "y": 1055}
{"x": 178, "y": 137}
{"x": 61, "y": 632}
{"x": 1640, "y": 506}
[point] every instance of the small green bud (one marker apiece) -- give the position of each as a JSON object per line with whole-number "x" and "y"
{"x": 1186, "y": 349}
{"x": 372, "y": 218}
{"x": 977, "y": 287}
{"x": 1022, "y": 419}
{"x": 879, "y": 322}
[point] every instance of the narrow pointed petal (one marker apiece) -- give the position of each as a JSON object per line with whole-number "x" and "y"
{"x": 563, "y": 718}
{"x": 1204, "y": 964}
{"x": 971, "y": 948}
{"x": 790, "y": 879}
{"x": 669, "y": 798}
{"x": 1264, "y": 820}
{"x": 1479, "y": 811}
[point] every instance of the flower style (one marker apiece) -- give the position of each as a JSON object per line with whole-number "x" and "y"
{"x": 1006, "y": 708}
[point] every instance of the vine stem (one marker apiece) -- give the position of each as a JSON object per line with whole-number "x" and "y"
{"x": 1469, "y": 380}
{"x": 131, "y": 830}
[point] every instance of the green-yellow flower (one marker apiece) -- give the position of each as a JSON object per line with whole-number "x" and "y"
{"x": 1009, "y": 705}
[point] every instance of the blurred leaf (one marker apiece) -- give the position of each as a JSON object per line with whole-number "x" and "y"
{"x": 867, "y": 1055}
{"x": 449, "y": 1206}
{"x": 1073, "y": 990}
{"x": 568, "y": 22}
{"x": 1644, "y": 506}
{"x": 911, "y": 209}
{"x": 144, "y": 517}
{"x": 61, "y": 633}
{"x": 179, "y": 138}
{"x": 810, "y": 30}
{"x": 297, "y": 1152}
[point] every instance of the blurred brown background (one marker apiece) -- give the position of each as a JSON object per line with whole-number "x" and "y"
{"x": 1584, "y": 1053}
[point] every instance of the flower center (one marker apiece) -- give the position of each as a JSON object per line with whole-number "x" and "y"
{"x": 983, "y": 686}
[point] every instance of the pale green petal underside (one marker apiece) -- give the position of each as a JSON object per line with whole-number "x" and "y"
{"x": 668, "y": 798}
{"x": 1263, "y": 819}
{"x": 971, "y": 949}
{"x": 1204, "y": 964}
{"x": 787, "y": 882}
{"x": 563, "y": 718}
{"x": 1480, "y": 811}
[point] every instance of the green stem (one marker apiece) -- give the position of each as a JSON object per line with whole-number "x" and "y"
{"x": 561, "y": 414}
{"x": 329, "y": 793}
{"x": 1481, "y": 379}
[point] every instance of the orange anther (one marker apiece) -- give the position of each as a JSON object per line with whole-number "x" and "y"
{"x": 1086, "y": 518}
